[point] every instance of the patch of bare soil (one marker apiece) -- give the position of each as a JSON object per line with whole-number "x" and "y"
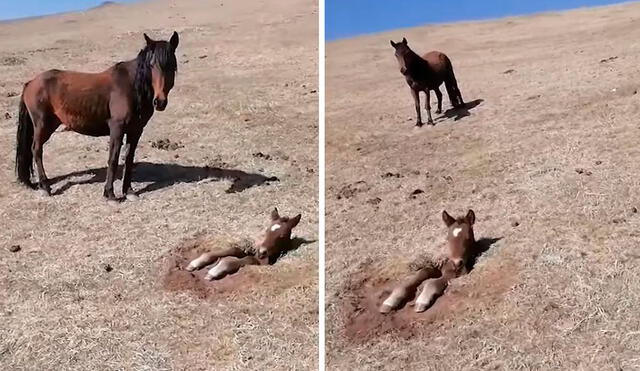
{"x": 363, "y": 323}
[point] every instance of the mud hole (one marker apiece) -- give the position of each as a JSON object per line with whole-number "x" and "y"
{"x": 263, "y": 278}
{"x": 365, "y": 293}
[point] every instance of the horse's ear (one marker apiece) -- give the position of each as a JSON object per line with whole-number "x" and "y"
{"x": 293, "y": 222}
{"x": 447, "y": 219}
{"x": 174, "y": 40}
{"x": 392, "y": 43}
{"x": 471, "y": 217}
{"x": 148, "y": 39}
{"x": 404, "y": 40}
{"x": 274, "y": 214}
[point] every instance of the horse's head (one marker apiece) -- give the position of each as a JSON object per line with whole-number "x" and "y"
{"x": 460, "y": 237}
{"x": 402, "y": 50}
{"x": 277, "y": 237}
{"x": 163, "y": 68}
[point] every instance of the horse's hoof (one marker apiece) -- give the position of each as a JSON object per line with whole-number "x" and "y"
{"x": 132, "y": 197}
{"x": 421, "y": 307}
{"x": 208, "y": 278}
{"x": 44, "y": 192}
{"x": 384, "y": 309}
{"x": 419, "y": 124}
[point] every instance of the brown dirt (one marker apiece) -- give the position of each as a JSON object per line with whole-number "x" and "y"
{"x": 364, "y": 324}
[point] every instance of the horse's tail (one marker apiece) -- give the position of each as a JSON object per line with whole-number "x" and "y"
{"x": 451, "y": 84}
{"x": 24, "y": 141}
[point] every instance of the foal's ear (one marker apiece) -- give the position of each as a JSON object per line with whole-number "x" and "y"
{"x": 174, "y": 41}
{"x": 274, "y": 214}
{"x": 293, "y": 222}
{"x": 404, "y": 41}
{"x": 447, "y": 219}
{"x": 392, "y": 43}
{"x": 471, "y": 217}
{"x": 148, "y": 40}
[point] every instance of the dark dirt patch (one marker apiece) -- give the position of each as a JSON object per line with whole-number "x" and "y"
{"x": 12, "y": 94}
{"x": 176, "y": 279}
{"x": 365, "y": 293}
{"x": 166, "y": 145}
{"x": 262, "y": 155}
{"x": 350, "y": 190}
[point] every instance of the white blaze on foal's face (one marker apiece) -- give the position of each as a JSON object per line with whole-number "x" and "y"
{"x": 456, "y": 231}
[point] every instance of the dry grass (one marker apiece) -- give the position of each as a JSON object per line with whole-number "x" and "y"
{"x": 572, "y": 296}
{"x": 246, "y": 75}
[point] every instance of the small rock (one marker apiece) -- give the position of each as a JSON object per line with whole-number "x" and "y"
{"x": 108, "y": 268}
{"x": 374, "y": 201}
{"x": 515, "y": 223}
{"x": 618, "y": 220}
{"x": 15, "y": 248}
{"x": 313, "y": 91}
{"x": 203, "y": 56}
{"x": 598, "y": 162}
{"x": 7, "y": 116}
{"x": 416, "y": 192}
{"x": 12, "y": 94}
{"x": 634, "y": 210}
{"x": 176, "y": 156}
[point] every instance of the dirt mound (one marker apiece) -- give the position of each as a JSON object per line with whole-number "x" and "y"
{"x": 176, "y": 278}
{"x": 363, "y": 323}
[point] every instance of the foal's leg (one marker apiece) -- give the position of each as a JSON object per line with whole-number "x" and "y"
{"x": 428, "y": 107}
{"x": 432, "y": 289}
{"x": 439, "y": 96}
{"x": 42, "y": 132}
{"x": 416, "y": 98}
{"x": 115, "y": 142}
{"x": 132, "y": 143}
{"x": 211, "y": 256}
{"x": 406, "y": 288}
{"x": 229, "y": 265}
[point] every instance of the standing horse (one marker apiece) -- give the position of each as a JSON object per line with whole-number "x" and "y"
{"x": 425, "y": 74}
{"x": 461, "y": 247}
{"x": 117, "y": 102}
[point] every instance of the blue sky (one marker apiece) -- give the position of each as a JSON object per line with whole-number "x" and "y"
{"x": 346, "y": 18}
{"x": 11, "y": 9}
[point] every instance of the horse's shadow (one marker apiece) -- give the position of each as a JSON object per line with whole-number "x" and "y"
{"x": 482, "y": 245}
{"x": 296, "y": 242}
{"x": 165, "y": 175}
{"x": 462, "y": 112}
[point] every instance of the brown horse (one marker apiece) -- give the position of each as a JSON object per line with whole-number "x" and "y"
{"x": 117, "y": 102}
{"x": 425, "y": 74}
{"x": 461, "y": 244}
{"x": 228, "y": 260}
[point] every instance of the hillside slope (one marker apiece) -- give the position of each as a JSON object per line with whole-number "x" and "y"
{"x": 87, "y": 291}
{"x": 545, "y": 158}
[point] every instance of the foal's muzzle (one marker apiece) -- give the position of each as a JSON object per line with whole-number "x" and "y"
{"x": 160, "y": 104}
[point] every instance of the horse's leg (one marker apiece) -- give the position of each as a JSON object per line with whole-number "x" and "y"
{"x": 406, "y": 288}
{"x": 43, "y": 128}
{"x": 132, "y": 143}
{"x": 229, "y": 265}
{"x": 211, "y": 256}
{"x": 439, "y": 96}
{"x": 432, "y": 289}
{"x": 115, "y": 142}
{"x": 428, "y": 107}
{"x": 416, "y": 98}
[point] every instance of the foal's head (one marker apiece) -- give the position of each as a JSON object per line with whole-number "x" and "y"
{"x": 277, "y": 237}
{"x": 460, "y": 237}
{"x": 160, "y": 57}
{"x": 402, "y": 51}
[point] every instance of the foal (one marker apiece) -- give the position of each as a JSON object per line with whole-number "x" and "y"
{"x": 425, "y": 74}
{"x": 461, "y": 243}
{"x": 276, "y": 240}
{"x": 117, "y": 102}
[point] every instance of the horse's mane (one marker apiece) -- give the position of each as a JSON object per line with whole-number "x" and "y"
{"x": 164, "y": 57}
